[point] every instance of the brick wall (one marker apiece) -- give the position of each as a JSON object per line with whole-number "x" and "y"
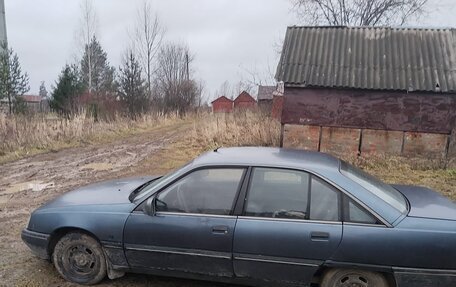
{"x": 277, "y": 107}
{"x": 431, "y": 145}
{"x": 354, "y": 141}
{"x": 451, "y": 154}
{"x": 302, "y": 137}
{"x": 222, "y": 107}
{"x": 339, "y": 140}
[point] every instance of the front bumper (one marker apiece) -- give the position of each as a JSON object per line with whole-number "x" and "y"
{"x": 37, "y": 242}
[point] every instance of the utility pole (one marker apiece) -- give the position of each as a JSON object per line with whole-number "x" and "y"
{"x": 3, "y": 38}
{"x": 187, "y": 60}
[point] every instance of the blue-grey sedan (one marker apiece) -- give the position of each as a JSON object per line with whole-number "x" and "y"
{"x": 253, "y": 216}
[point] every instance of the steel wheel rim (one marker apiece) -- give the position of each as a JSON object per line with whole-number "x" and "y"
{"x": 80, "y": 261}
{"x": 352, "y": 280}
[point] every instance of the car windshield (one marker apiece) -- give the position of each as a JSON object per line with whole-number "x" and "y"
{"x": 384, "y": 191}
{"x": 152, "y": 184}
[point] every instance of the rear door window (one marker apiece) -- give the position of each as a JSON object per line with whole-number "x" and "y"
{"x": 278, "y": 193}
{"x": 282, "y": 193}
{"x": 324, "y": 203}
{"x": 356, "y": 214}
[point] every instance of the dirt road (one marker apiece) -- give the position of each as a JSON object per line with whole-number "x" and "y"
{"x": 28, "y": 183}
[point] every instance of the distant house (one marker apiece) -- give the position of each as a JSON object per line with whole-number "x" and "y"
{"x": 222, "y": 105}
{"x": 244, "y": 101}
{"x": 36, "y": 104}
{"x": 265, "y": 97}
{"x": 369, "y": 90}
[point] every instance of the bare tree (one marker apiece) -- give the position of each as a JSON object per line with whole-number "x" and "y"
{"x": 225, "y": 90}
{"x": 174, "y": 84}
{"x": 233, "y": 90}
{"x": 254, "y": 76}
{"x": 359, "y": 12}
{"x": 148, "y": 38}
{"x": 88, "y": 27}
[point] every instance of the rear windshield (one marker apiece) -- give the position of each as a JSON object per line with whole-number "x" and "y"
{"x": 384, "y": 191}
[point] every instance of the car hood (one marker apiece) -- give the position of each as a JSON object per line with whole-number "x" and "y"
{"x": 103, "y": 193}
{"x": 427, "y": 203}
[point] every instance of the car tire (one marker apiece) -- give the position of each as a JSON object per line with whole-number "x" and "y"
{"x": 353, "y": 277}
{"x": 79, "y": 258}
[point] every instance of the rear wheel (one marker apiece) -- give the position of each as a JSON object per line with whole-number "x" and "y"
{"x": 79, "y": 258}
{"x": 353, "y": 278}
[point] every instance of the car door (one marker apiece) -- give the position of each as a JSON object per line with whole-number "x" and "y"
{"x": 290, "y": 225}
{"x": 192, "y": 230}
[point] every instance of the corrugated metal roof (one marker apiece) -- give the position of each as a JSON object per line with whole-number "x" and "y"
{"x": 266, "y": 92}
{"x": 379, "y": 58}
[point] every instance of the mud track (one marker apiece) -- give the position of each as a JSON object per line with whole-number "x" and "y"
{"x": 28, "y": 183}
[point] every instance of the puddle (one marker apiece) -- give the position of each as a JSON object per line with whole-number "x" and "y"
{"x": 35, "y": 185}
{"x": 98, "y": 166}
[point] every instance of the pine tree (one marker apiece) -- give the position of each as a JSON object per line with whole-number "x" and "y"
{"x": 132, "y": 87}
{"x": 101, "y": 76}
{"x": 13, "y": 83}
{"x": 69, "y": 88}
{"x": 43, "y": 91}
{"x": 98, "y": 78}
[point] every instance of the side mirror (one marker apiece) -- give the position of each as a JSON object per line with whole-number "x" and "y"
{"x": 150, "y": 206}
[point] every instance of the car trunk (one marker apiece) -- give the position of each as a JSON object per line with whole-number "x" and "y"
{"x": 427, "y": 203}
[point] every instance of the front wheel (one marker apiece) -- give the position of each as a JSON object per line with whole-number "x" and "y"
{"x": 353, "y": 278}
{"x": 79, "y": 258}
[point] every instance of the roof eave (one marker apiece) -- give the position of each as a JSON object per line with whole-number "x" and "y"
{"x": 304, "y": 86}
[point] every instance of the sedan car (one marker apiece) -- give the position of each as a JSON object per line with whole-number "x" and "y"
{"x": 253, "y": 216}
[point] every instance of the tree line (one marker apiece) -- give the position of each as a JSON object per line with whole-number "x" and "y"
{"x": 154, "y": 75}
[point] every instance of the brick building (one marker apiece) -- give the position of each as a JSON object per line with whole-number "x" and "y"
{"x": 244, "y": 101}
{"x": 369, "y": 89}
{"x": 222, "y": 105}
{"x": 36, "y": 104}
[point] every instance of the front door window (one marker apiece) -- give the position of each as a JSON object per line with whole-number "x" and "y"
{"x": 205, "y": 191}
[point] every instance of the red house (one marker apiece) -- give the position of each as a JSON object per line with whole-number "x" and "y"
{"x": 244, "y": 101}
{"x": 222, "y": 105}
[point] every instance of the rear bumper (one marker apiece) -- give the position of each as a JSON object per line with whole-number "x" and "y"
{"x": 408, "y": 277}
{"x": 37, "y": 242}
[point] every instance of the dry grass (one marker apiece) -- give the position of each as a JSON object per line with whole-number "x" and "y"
{"x": 211, "y": 131}
{"x": 22, "y": 136}
{"x": 25, "y": 135}
{"x": 238, "y": 129}
{"x": 410, "y": 171}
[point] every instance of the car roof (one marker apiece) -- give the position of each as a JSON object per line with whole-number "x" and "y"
{"x": 321, "y": 164}
{"x": 267, "y": 156}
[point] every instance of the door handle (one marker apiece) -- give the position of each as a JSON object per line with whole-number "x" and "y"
{"x": 319, "y": 236}
{"x": 220, "y": 229}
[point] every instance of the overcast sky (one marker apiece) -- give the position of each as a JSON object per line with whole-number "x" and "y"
{"x": 227, "y": 37}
